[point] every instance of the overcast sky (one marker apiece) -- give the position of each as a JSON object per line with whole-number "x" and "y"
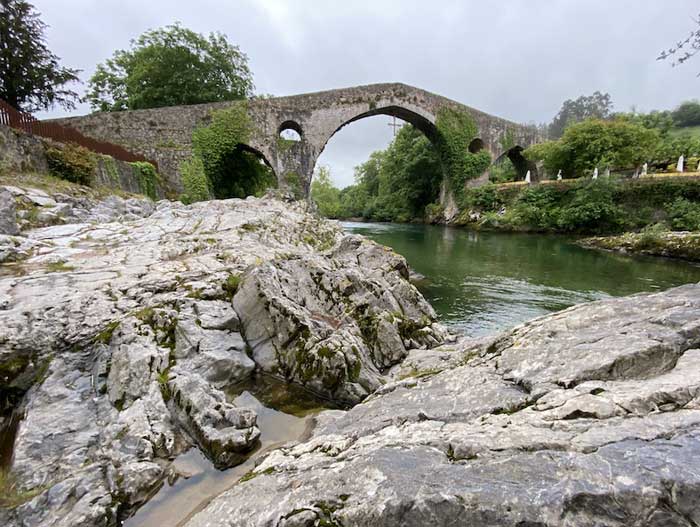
{"x": 518, "y": 59}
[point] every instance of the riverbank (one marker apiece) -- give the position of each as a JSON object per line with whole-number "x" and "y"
{"x": 132, "y": 348}
{"x": 682, "y": 245}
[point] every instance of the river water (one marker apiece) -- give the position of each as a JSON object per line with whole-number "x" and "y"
{"x": 482, "y": 282}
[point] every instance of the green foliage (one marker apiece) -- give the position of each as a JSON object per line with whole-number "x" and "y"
{"x": 617, "y": 144}
{"x": 325, "y": 194}
{"x": 395, "y": 184}
{"x": 110, "y": 167}
{"x": 687, "y": 114}
{"x": 592, "y": 209}
{"x": 231, "y": 284}
{"x": 232, "y": 170}
{"x": 195, "y": 183}
{"x": 503, "y": 172}
{"x": 30, "y": 75}
{"x": 456, "y": 130}
{"x": 684, "y": 214}
{"x": 148, "y": 178}
{"x": 171, "y": 66}
{"x": 72, "y": 163}
{"x": 596, "y": 106}
{"x": 671, "y": 147}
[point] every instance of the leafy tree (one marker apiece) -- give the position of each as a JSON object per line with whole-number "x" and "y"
{"x": 171, "y": 66}
{"x": 687, "y": 114}
{"x": 658, "y": 120}
{"x": 31, "y": 77}
{"x": 599, "y": 105}
{"x": 596, "y": 143}
{"x": 325, "y": 194}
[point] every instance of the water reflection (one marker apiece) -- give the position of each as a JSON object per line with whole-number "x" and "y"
{"x": 481, "y": 282}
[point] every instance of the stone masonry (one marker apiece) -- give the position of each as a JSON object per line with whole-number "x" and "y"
{"x": 164, "y": 134}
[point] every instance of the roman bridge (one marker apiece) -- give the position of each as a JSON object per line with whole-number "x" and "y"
{"x": 165, "y": 134}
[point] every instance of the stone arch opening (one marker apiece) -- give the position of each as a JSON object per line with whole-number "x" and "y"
{"x": 476, "y": 145}
{"x": 290, "y": 131}
{"x": 244, "y": 171}
{"x": 519, "y": 162}
{"x": 420, "y": 180}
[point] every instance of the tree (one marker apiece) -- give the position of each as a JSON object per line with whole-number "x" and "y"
{"x": 599, "y": 106}
{"x": 687, "y": 114}
{"x": 616, "y": 144}
{"x": 171, "y": 66}
{"x": 325, "y": 194}
{"x": 31, "y": 77}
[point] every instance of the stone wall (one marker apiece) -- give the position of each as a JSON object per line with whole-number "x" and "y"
{"x": 21, "y": 153}
{"x": 164, "y": 134}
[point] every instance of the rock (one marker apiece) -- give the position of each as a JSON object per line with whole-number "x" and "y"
{"x": 122, "y": 338}
{"x": 590, "y": 416}
{"x": 8, "y": 215}
{"x": 333, "y": 325}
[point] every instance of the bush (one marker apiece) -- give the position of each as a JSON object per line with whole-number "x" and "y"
{"x": 194, "y": 181}
{"x": 72, "y": 163}
{"x": 503, "y": 172}
{"x": 684, "y": 215}
{"x": 485, "y": 198}
{"x": 592, "y": 209}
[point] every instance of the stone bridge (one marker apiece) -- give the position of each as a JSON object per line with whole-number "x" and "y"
{"x": 164, "y": 134}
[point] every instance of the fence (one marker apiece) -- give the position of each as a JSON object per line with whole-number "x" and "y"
{"x": 26, "y": 122}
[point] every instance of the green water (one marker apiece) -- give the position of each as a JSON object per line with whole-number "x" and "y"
{"x": 482, "y": 282}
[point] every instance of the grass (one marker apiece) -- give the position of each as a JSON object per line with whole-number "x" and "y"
{"x": 10, "y": 495}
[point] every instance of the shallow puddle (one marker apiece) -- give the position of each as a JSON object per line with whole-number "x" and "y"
{"x": 175, "y": 503}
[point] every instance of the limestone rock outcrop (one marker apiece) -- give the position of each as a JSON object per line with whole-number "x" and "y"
{"x": 121, "y": 328}
{"x": 588, "y": 417}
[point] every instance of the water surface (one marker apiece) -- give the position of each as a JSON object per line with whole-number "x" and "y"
{"x": 482, "y": 282}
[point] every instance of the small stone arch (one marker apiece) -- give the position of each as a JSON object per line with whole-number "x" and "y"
{"x": 521, "y": 164}
{"x": 290, "y": 130}
{"x": 476, "y": 145}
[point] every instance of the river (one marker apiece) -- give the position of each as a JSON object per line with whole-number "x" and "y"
{"x": 482, "y": 282}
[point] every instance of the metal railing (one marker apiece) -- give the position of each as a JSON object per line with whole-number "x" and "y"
{"x": 9, "y": 116}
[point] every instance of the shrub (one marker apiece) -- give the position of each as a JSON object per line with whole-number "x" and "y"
{"x": 684, "y": 214}
{"x": 72, "y": 163}
{"x": 194, "y": 181}
{"x": 592, "y": 209}
{"x": 503, "y": 172}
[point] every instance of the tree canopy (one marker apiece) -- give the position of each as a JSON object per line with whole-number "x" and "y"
{"x": 394, "y": 184}
{"x": 31, "y": 77}
{"x": 171, "y": 66}
{"x": 687, "y": 114}
{"x": 598, "y": 105}
{"x": 616, "y": 144}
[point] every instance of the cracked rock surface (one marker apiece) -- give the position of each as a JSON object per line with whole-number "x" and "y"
{"x": 119, "y": 335}
{"x": 587, "y": 417}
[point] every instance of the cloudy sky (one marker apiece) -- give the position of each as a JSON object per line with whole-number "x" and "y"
{"x": 518, "y": 59}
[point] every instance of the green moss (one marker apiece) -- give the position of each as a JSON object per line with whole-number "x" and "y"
{"x": 105, "y": 336}
{"x": 230, "y": 285}
{"x": 59, "y": 267}
{"x": 253, "y": 474}
{"x": 110, "y": 167}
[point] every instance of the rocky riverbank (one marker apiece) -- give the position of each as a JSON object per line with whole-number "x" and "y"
{"x": 119, "y": 336}
{"x": 683, "y": 245}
